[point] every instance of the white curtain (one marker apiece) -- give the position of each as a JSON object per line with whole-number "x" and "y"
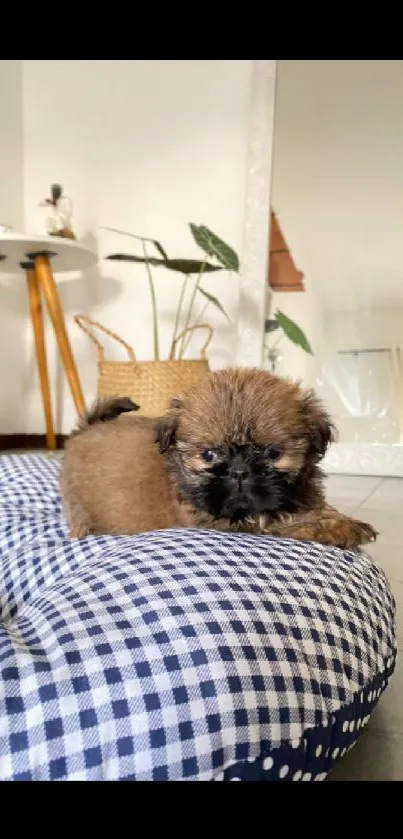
{"x": 364, "y": 393}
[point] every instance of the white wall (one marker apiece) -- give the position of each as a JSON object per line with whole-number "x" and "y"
{"x": 11, "y": 143}
{"x": 338, "y": 175}
{"x": 13, "y": 303}
{"x": 144, "y": 146}
{"x": 337, "y": 191}
{"x": 297, "y": 136}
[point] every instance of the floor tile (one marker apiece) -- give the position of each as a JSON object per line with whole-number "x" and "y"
{"x": 389, "y": 556}
{"x": 347, "y": 493}
{"x": 389, "y": 524}
{"x": 348, "y": 484}
{"x": 377, "y": 756}
{"x": 388, "y": 495}
{"x": 388, "y": 714}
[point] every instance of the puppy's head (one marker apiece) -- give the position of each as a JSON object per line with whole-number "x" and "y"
{"x": 244, "y": 443}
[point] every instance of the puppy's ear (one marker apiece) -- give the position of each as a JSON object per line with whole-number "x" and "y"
{"x": 321, "y": 431}
{"x": 165, "y": 431}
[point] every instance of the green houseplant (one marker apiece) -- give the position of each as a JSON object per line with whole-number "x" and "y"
{"x": 286, "y": 327}
{"x": 217, "y": 256}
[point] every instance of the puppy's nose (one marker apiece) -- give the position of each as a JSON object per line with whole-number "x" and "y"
{"x": 239, "y": 473}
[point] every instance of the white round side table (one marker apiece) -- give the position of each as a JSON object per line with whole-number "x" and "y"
{"x": 39, "y": 257}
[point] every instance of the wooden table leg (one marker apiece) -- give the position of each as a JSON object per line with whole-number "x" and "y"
{"x": 48, "y": 287}
{"x": 37, "y": 324}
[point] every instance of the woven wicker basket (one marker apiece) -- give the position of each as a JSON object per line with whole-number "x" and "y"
{"x": 151, "y": 384}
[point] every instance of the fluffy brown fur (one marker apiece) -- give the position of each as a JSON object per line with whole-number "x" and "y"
{"x": 238, "y": 451}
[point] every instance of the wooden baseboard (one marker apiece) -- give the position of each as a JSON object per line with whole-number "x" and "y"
{"x": 28, "y": 441}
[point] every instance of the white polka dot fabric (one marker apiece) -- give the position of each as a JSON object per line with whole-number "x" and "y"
{"x": 179, "y": 655}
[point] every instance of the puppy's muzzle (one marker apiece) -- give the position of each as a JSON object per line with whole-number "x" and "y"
{"x": 239, "y": 472}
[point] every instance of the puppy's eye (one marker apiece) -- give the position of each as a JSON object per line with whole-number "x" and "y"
{"x": 209, "y": 456}
{"x": 273, "y": 453}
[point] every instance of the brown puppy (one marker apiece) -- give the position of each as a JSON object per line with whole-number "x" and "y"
{"x": 238, "y": 451}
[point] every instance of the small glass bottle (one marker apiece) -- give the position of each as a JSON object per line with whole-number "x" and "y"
{"x": 59, "y": 220}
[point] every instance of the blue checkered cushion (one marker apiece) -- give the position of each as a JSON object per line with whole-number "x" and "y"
{"x": 178, "y": 654}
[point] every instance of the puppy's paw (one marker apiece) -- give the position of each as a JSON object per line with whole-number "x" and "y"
{"x": 79, "y": 531}
{"x": 357, "y": 533}
{"x": 337, "y": 529}
{"x": 326, "y": 526}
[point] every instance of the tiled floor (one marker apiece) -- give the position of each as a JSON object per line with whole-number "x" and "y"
{"x": 378, "y": 754}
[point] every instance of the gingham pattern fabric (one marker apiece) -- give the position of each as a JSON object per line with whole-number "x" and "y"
{"x": 178, "y": 655}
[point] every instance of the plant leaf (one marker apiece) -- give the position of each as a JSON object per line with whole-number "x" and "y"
{"x": 215, "y": 302}
{"x": 160, "y": 249}
{"x": 190, "y": 266}
{"x": 271, "y": 325}
{"x": 128, "y": 257}
{"x": 182, "y": 266}
{"x": 293, "y": 332}
{"x": 154, "y": 242}
{"x": 214, "y": 246}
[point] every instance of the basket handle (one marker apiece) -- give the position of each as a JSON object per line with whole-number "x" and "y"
{"x": 84, "y": 322}
{"x": 191, "y": 329}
